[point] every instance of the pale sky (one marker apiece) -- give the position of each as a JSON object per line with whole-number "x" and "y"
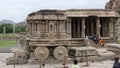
{"x": 17, "y": 10}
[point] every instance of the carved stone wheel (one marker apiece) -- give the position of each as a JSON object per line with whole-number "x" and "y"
{"x": 41, "y": 53}
{"x": 60, "y": 52}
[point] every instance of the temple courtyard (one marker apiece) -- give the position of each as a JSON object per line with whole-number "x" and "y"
{"x": 96, "y": 64}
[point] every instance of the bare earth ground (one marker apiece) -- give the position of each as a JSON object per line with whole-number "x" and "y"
{"x": 101, "y": 64}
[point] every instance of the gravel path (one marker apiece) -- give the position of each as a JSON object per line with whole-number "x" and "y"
{"x": 7, "y": 49}
{"x": 102, "y": 64}
{"x": 5, "y": 53}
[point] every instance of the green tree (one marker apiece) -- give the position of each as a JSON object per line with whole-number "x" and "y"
{"x": 8, "y": 27}
{"x": 21, "y": 29}
{"x": 1, "y": 29}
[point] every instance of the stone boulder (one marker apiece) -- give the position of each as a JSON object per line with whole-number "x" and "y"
{"x": 113, "y": 4}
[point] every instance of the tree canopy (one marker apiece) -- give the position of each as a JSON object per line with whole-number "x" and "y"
{"x": 9, "y": 28}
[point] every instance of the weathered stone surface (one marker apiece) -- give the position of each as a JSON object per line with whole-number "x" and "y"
{"x": 113, "y": 47}
{"x": 81, "y": 51}
{"x": 11, "y": 60}
{"x": 113, "y": 4}
{"x": 90, "y": 58}
{"x": 50, "y": 60}
{"x": 104, "y": 54}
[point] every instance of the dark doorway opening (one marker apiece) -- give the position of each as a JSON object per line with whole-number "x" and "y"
{"x": 90, "y": 24}
{"x": 104, "y": 30}
{"x": 76, "y": 27}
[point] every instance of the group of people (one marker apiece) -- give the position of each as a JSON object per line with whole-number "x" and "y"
{"x": 101, "y": 42}
{"x": 97, "y": 40}
{"x": 115, "y": 65}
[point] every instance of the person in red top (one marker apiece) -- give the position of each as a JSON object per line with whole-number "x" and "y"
{"x": 101, "y": 42}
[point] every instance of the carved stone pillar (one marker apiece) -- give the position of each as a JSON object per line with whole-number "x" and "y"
{"x": 30, "y": 27}
{"x": 64, "y": 30}
{"x": 92, "y": 28}
{"x": 69, "y": 28}
{"x": 56, "y": 26}
{"x": 111, "y": 27}
{"x": 98, "y": 26}
{"x": 65, "y": 22}
{"x": 74, "y": 29}
{"x": 62, "y": 26}
{"x": 78, "y": 29}
{"x": 46, "y": 26}
{"x": 33, "y": 27}
{"x": 38, "y": 26}
{"x": 83, "y": 27}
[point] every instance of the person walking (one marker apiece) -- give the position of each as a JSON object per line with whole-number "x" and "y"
{"x": 116, "y": 63}
{"x": 75, "y": 65}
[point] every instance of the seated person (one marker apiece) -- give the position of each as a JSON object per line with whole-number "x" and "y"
{"x": 101, "y": 42}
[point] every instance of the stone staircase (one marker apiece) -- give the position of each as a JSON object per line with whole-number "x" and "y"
{"x": 93, "y": 44}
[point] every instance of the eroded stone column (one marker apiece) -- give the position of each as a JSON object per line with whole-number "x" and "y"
{"x": 44, "y": 26}
{"x": 47, "y": 30}
{"x": 55, "y": 26}
{"x": 92, "y": 28}
{"x": 98, "y": 26}
{"x": 74, "y": 30}
{"x": 83, "y": 27}
{"x": 64, "y": 30}
{"x": 38, "y": 26}
{"x": 58, "y": 26}
{"x": 69, "y": 28}
{"x": 28, "y": 27}
{"x": 111, "y": 27}
{"x": 32, "y": 27}
{"x": 78, "y": 29}
{"x": 62, "y": 26}
{"x": 35, "y": 26}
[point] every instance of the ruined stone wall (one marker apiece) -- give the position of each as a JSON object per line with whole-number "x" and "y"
{"x": 114, "y": 5}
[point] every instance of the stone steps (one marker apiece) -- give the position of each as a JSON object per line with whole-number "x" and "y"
{"x": 93, "y": 44}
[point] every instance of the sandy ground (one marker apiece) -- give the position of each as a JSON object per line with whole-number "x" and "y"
{"x": 102, "y": 64}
